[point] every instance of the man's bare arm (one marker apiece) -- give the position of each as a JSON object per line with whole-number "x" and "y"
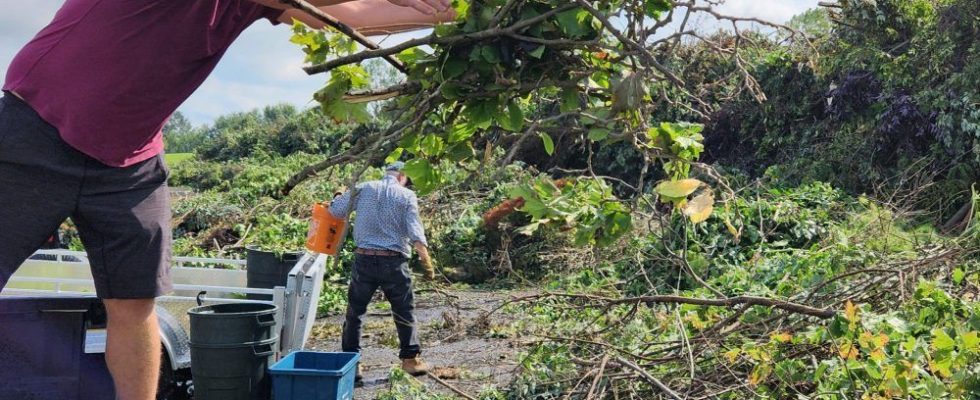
{"x": 423, "y": 6}
{"x": 373, "y": 17}
{"x": 283, "y": 6}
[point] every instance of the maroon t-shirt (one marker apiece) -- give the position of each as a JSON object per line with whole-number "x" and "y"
{"x": 109, "y": 73}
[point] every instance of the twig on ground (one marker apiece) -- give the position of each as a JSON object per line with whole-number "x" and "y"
{"x": 450, "y": 386}
{"x": 656, "y": 382}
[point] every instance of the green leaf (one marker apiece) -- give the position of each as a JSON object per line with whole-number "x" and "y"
{"x": 461, "y": 151}
{"x": 333, "y": 105}
{"x": 454, "y": 67}
{"x": 971, "y": 342}
{"x": 598, "y": 134}
{"x": 356, "y": 74}
{"x": 462, "y": 8}
{"x": 432, "y": 145}
{"x": 395, "y": 155}
{"x": 451, "y": 91}
{"x": 443, "y": 30}
{"x": 958, "y": 275}
{"x": 935, "y": 386}
{"x": 423, "y": 175}
{"x": 549, "y": 145}
{"x": 538, "y": 52}
{"x": 533, "y": 205}
{"x": 941, "y": 340}
{"x": 461, "y": 132}
{"x": 410, "y": 142}
{"x": 486, "y": 53}
{"x": 479, "y": 113}
{"x": 839, "y": 326}
{"x": 679, "y": 188}
{"x": 569, "y": 100}
{"x": 575, "y": 23}
{"x": 514, "y": 120}
{"x": 529, "y": 229}
{"x": 653, "y": 8}
{"x": 873, "y": 371}
{"x": 412, "y": 55}
{"x": 818, "y": 374}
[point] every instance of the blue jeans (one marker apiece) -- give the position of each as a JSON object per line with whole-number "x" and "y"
{"x": 391, "y": 274}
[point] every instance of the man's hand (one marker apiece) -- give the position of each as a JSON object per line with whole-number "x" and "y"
{"x": 428, "y": 7}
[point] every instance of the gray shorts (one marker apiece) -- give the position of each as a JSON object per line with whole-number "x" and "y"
{"x": 122, "y": 214}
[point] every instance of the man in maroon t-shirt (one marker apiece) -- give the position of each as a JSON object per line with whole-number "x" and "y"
{"x": 80, "y": 136}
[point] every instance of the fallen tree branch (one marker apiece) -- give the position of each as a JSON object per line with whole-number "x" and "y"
{"x": 312, "y": 170}
{"x": 671, "y": 299}
{"x": 598, "y": 376}
{"x": 433, "y": 40}
{"x": 636, "y": 46}
{"x": 367, "y": 96}
{"x": 650, "y": 378}
{"x": 343, "y": 28}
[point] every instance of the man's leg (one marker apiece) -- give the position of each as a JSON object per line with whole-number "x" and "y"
{"x": 38, "y": 183}
{"x": 123, "y": 219}
{"x": 398, "y": 291}
{"x": 362, "y": 288}
{"x": 133, "y": 348}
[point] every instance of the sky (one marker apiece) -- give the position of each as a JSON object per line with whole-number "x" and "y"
{"x": 263, "y": 68}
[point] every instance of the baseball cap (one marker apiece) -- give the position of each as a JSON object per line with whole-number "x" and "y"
{"x": 397, "y": 166}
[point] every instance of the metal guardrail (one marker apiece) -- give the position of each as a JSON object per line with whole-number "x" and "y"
{"x": 81, "y": 257}
{"x": 297, "y": 302}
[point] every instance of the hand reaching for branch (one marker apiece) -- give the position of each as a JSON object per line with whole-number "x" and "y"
{"x": 428, "y": 7}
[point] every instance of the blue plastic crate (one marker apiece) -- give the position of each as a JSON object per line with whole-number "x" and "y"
{"x": 311, "y": 375}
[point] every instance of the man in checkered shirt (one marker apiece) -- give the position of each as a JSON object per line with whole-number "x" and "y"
{"x": 386, "y": 229}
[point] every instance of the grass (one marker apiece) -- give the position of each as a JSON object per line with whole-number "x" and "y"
{"x": 177, "y": 158}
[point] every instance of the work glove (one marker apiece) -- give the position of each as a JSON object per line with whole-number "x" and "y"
{"x": 430, "y": 269}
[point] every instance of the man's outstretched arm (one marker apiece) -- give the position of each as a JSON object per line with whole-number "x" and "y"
{"x": 422, "y": 6}
{"x": 374, "y": 17}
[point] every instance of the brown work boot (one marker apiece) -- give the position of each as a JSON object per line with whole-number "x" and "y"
{"x": 415, "y": 366}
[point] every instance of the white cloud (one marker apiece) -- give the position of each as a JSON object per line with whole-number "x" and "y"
{"x": 775, "y": 11}
{"x": 19, "y": 22}
{"x": 219, "y": 96}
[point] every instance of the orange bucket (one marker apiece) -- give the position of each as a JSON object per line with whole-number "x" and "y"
{"x": 327, "y": 232}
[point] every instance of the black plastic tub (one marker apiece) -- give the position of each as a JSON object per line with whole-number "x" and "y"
{"x": 266, "y": 269}
{"x": 233, "y": 372}
{"x": 232, "y": 346}
{"x": 234, "y": 324}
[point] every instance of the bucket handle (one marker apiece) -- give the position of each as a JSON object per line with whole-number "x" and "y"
{"x": 266, "y": 319}
{"x": 262, "y": 350}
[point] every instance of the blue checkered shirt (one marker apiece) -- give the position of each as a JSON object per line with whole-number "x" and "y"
{"x": 387, "y": 216}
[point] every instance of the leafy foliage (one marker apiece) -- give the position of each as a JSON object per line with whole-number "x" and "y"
{"x": 882, "y": 101}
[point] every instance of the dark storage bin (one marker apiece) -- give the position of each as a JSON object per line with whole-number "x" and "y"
{"x": 42, "y": 344}
{"x": 232, "y": 346}
{"x": 232, "y": 372}
{"x": 232, "y": 323}
{"x": 266, "y": 270}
